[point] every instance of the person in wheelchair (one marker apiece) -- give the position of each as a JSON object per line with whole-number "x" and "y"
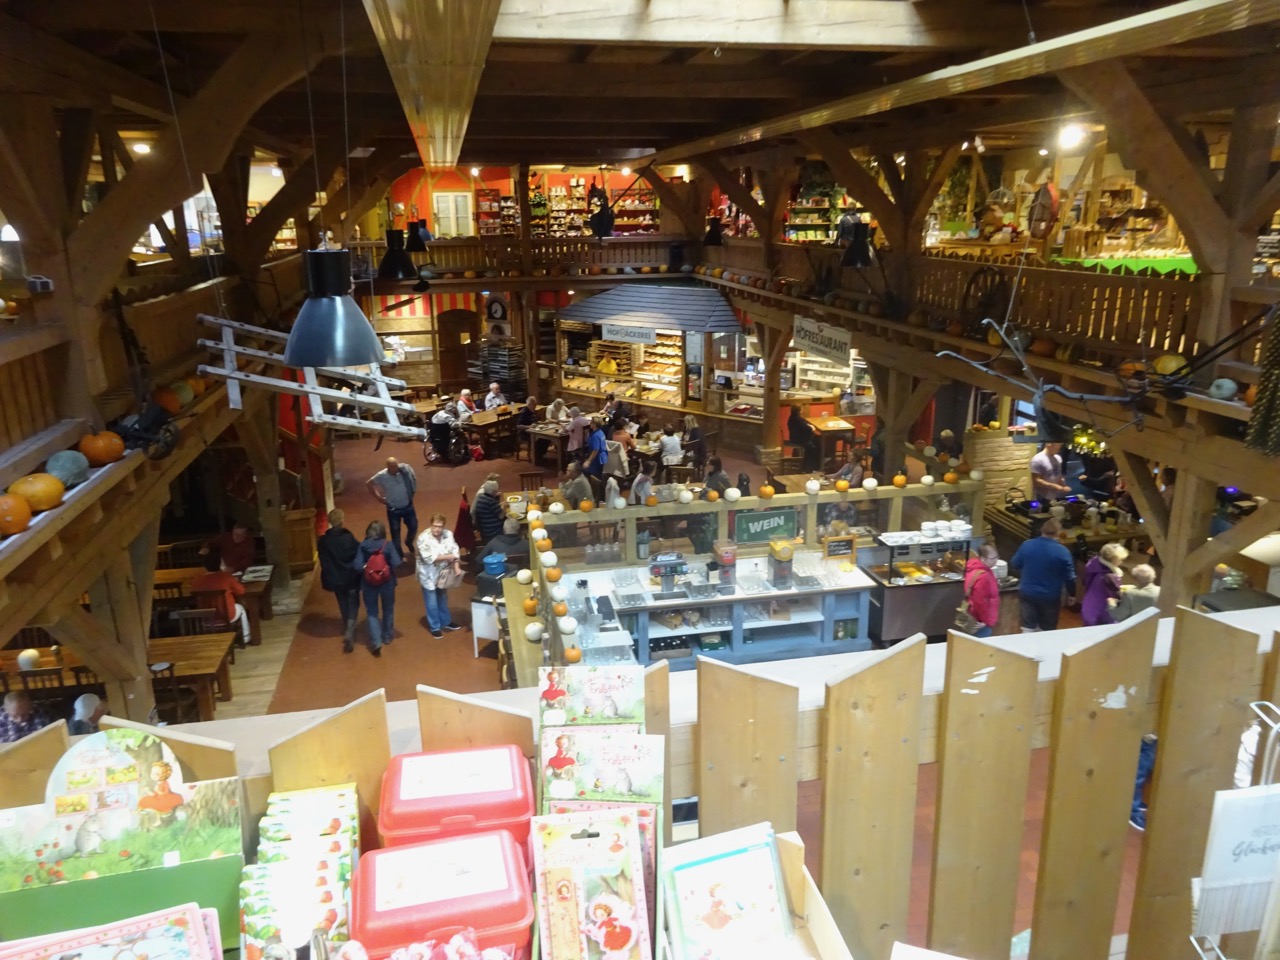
{"x": 446, "y": 439}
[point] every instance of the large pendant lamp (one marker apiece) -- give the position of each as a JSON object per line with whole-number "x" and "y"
{"x": 858, "y": 252}
{"x": 331, "y": 330}
{"x": 417, "y": 242}
{"x": 396, "y": 263}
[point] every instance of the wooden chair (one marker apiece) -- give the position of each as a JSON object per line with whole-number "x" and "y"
{"x": 682, "y": 473}
{"x": 162, "y": 623}
{"x": 791, "y": 465}
{"x": 43, "y": 681}
{"x": 192, "y": 622}
{"x": 712, "y": 441}
{"x": 180, "y": 553}
{"x": 503, "y": 438}
{"x": 531, "y": 480}
{"x": 85, "y": 677}
{"x": 174, "y": 702}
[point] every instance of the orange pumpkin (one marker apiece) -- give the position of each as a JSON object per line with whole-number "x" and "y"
{"x": 560, "y": 609}
{"x": 1042, "y": 347}
{"x": 572, "y": 654}
{"x": 15, "y": 514}
{"x": 543, "y": 545}
{"x": 586, "y": 506}
{"x": 1131, "y": 369}
{"x": 651, "y": 501}
{"x": 101, "y": 448}
{"x": 167, "y": 400}
{"x": 537, "y": 525}
{"x": 712, "y": 496}
{"x": 766, "y": 492}
{"x": 951, "y": 477}
{"x": 1251, "y": 395}
{"x": 553, "y": 574}
{"x": 42, "y": 491}
{"x": 963, "y": 467}
{"x": 955, "y": 329}
{"x": 197, "y": 385}
{"x": 900, "y": 479}
{"x": 943, "y": 456}
{"x": 842, "y": 486}
{"x": 530, "y": 606}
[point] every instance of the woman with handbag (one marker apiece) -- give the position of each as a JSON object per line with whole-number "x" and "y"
{"x": 439, "y": 569}
{"x": 980, "y": 611}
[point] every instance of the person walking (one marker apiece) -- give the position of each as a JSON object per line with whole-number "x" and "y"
{"x": 596, "y": 451}
{"x": 981, "y": 589}
{"x": 1102, "y": 577}
{"x": 1135, "y": 598}
{"x": 376, "y": 560}
{"x": 394, "y": 487}
{"x": 1046, "y": 568}
{"x": 337, "y": 548}
{"x": 439, "y": 567}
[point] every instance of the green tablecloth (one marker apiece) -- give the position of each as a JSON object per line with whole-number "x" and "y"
{"x": 1161, "y": 264}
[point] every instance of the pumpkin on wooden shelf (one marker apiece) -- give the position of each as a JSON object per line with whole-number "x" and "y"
{"x": 1251, "y": 394}
{"x": 553, "y": 574}
{"x": 586, "y": 506}
{"x": 560, "y": 609}
{"x": 101, "y": 448}
{"x": 543, "y": 545}
{"x": 951, "y": 477}
{"x": 42, "y": 491}
{"x": 183, "y": 390}
{"x": 713, "y": 496}
{"x": 1170, "y": 364}
{"x": 572, "y": 654}
{"x": 1043, "y": 347}
{"x": 197, "y": 384}
{"x": 955, "y": 329}
{"x": 15, "y": 514}
{"x": 842, "y": 486}
{"x": 167, "y": 400}
{"x": 766, "y": 491}
{"x": 900, "y": 479}
{"x": 651, "y": 501}
{"x": 1066, "y": 353}
{"x": 69, "y": 466}
{"x": 530, "y": 606}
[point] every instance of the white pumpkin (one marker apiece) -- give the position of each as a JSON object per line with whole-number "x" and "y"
{"x": 870, "y": 483}
{"x": 733, "y": 494}
{"x": 927, "y": 480}
{"x": 930, "y": 451}
{"x": 536, "y": 535}
{"x": 548, "y": 559}
{"x": 812, "y": 487}
{"x": 568, "y": 625}
{"x": 557, "y": 507}
{"x": 524, "y": 576}
{"x": 533, "y": 631}
{"x": 1223, "y": 388}
{"x": 559, "y": 592}
{"x": 686, "y": 496}
{"x": 977, "y": 473}
{"x": 533, "y": 514}
{"x": 619, "y": 503}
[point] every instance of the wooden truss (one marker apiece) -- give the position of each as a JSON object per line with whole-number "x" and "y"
{"x": 379, "y": 402}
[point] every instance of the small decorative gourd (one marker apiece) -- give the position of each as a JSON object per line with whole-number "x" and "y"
{"x": 69, "y": 466}
{"x": 42, "y": 491}
{"x": 102, "y": 448}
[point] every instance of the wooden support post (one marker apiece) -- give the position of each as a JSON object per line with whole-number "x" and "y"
{"x": 1203, "y": 708}
{"x": 774, "y": 344}
{"x": 857, "y": 181}
{"x": 657, "y": 720}
{"x": 871, "y": 761}
{"x": 526, "y": 214}
{"x": 984, "y": 763}
{"x": 671, "y": 199}
{"x": 142, "y": 564}
{"x": 974, "y": 167}
{"x": 76, "y": 145}
{"x": 1099, "y": 717}
{"x": 352, "y": 745}
{"x": 735, "y": 191}
{"x": 454, "y": 721}
{"x": 258, "y": 432}
{"x": 775, "y": 185}
{"x": 747, "y": 759}
{"x": 1146, "y": 497}
{"x": 1194, "y": 500}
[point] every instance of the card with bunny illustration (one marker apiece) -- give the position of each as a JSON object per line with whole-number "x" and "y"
{"x": 592, "y": 903}
{"x": 596, "y": 765}
{"x": 586, "y": 695}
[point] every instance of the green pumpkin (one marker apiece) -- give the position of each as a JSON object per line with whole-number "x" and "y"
{"x": 69, "y": 466}
{"x": 184, "y": 392}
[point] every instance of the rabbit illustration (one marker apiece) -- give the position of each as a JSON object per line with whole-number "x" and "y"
{"x": 89, "y": 836}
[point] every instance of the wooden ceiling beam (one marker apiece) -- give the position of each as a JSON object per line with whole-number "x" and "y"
{"x": 225, "y": 16}
{"x": 1180, "y": 22}
{"x": 661, "y": 80}
{"x": 837, "y": 24}
{"x": 639, "y": 133}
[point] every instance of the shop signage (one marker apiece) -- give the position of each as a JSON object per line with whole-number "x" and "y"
{"x": 839, "y": 546}
{"x": 822, "y": 339}
{"x": 761, "y": 526}
{"x": 626, "y": 334}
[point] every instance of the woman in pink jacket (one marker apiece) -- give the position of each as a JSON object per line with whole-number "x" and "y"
{"x": 982, "y": 590}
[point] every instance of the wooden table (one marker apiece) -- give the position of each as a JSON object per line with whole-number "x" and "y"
{"x": 256, "y": 601}
{"x": 553, "y": 435}
{"x": 830, "y": 431}
{"x": 201, "y": 661}
{"x": 794, "y": 482}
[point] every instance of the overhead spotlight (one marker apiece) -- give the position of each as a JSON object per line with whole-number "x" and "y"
{"x": 142, "y": 149}
{"x": 626, "y": 171}
{"x": 965, "y": 145}
{"x": 1071, "y": 136}
{"x": 1044, "y": 151}
{"x": 979, "y": 145}
{"x": 901, "y": 158}
{"x": 475, "y": 171}
{"x": 571, "y": 292}
{"x": 277, "y": 172}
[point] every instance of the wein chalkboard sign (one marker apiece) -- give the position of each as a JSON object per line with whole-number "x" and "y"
{"x": 839, "y": 546}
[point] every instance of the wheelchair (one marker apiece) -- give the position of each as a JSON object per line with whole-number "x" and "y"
{"x": 446, "y": 443}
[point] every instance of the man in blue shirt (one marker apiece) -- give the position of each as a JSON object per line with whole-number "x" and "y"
{"x": 1045, "y": 568}
{"x": 596, "y": 450}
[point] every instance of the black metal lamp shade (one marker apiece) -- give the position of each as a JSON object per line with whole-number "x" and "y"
{"x": 416, "y": 243}
{"x": 396, "y": 263}
{"x": 858, "y": 252}
{"x": 331, "y": 330}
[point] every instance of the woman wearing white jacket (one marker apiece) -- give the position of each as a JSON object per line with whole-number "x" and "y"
{"x": 439, "y": 568}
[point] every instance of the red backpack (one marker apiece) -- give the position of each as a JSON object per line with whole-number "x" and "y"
{"x": 377, "y": 570}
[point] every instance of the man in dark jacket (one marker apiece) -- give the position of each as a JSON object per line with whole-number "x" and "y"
{"x": 488, "y": 512}
{"x": 337, "y": 548}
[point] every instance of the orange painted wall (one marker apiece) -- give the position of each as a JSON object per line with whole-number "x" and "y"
{"x": 416, "y": 187}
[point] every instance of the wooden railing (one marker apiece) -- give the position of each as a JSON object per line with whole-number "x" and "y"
{"x": 554, "y": 255}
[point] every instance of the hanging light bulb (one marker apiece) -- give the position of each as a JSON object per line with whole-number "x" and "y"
{"x": 1071, "y": 136}
{"x": 396, "y": 264}
{"x": 331, "y": 330}
{"x": 1044, "y": 152}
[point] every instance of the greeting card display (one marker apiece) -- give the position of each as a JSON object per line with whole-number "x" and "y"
{"x": 1239, "y": 861}
{"x": 724, "y": 897}
{"x": 177, "y": 933}
{"x": 118, "y": 814}
{"x": 592, "y": 903}
{"x": 595, "y": 765}
{"x": 581, "y": 695}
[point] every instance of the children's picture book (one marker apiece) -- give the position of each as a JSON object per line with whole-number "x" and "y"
{"x": 585, "y": 695}
{"x": 725, "y": 898}
{"x": 1240, "y": 860}
{"x": 591, "y": 892}
{"x": 646, "y": 815}
{"x": 600, "y": 765}
{"x": 178, "y": 933}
